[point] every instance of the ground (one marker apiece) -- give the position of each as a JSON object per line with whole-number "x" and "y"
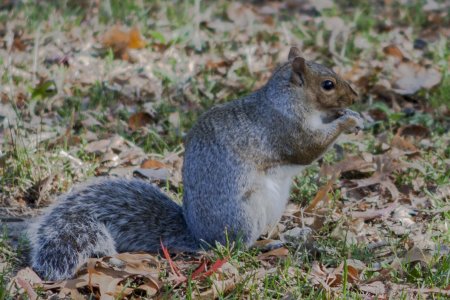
{"x": 95, "y": 88}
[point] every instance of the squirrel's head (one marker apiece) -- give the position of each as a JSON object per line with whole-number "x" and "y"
{"x": 323, "y": 88}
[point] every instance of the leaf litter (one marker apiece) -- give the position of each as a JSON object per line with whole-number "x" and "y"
{"x": 361, "y": 203}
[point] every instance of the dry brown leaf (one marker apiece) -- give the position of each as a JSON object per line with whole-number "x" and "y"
{"x": 175, "y": 164}
{"x": 374, "y": 288}
{"x": 116, "y": 38}
{"x": 414, "y": 130}
{"x": 120, "y": 41}
{"x": 153, "y": 164}
{"x": 335, "y": 277}
{"x": 224, "y": 281}
{"x": 410, "y": 77}
{"x": 394, "y": 51}
{"x": 351, "y": 163}
{"x": 280, "y": 252}
{"x": 106, "y": 284}
{"x": 215, "y": 64}
{"x": 318, "y": 275}
{"x": 70, "y": 291}
{"x": 322, "y": 194}
{"x": 374, "y": 213}
{"x": 352, "y": 274}
{"x": 135, "y": 39}
{"x": 153, "y": 174}
{"x": 409, "y": 131}
{"x": 424, "y": 291}
{"x": 378, "y": 114}
{"x": 357, "y": 264}
{"x": 415, "y": 254}
{"x": 18, "y": 43}
{"x": 261, "y": 244}
{"x": 403, "y": 144}
{"x": 386, "y": 164}
{"x": 106, "y": 276}
{"x": 222, "y": 287}
{"x": 140, "y": 263}
{"x": 174, "y": 119}
{"x": 25, "y": 279}
{"x": 240, "y": 13}
{"x": 139, "y": 119}
{"x": 101, "y": 146}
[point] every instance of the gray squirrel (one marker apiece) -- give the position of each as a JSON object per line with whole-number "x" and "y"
{"x": 240, "y": 158}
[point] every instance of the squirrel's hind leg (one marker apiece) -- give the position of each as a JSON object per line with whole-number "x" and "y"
{"x": 60, "y": 246}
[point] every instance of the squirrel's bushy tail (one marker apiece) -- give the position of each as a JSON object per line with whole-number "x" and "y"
{"x": 103, "y": 218}
{"x": 61, "y": 245}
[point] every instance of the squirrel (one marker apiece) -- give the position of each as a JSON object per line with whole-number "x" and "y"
{"x": 240, "y": 158}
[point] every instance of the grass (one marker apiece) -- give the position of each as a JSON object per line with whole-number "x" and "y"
{"x": 188, "y": 93}
{"x": 11, "y": 259}
{"x": 7, "y": 257}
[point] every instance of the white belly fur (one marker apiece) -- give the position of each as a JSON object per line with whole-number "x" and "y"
{"x": 272, "y": 194}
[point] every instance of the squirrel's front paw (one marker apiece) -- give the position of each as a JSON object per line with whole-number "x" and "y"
{"x": 353, "y": 122}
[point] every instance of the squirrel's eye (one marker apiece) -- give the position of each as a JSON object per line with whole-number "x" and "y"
{"x": 328, "y": 85}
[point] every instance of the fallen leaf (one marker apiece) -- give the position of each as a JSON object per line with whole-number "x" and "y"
{"x": 222, "y": 287}
{"x": 322, "y": 194}
{"x": 357, "y": 264}
{"x": 403, "y": 144}
{"x": 179, "y": 278}
{"x": 224, "y": 281}
{"x": 414, "y": 130}
{"x": 445, "y": 292}
{"x": 386, "y": 164}
{"x": 139, "y": 119}
{"x": 374, "y": 213}
{"x": 101, "y": 146}
{"x": 18, "y": 43}
{"x": 153, "y": 174}
{"x": 174, "y": 119}
{"x": 411, "y": 77}
{"x": 106, "y": 277}
{"x": 280, "y": 252}
{"x": 120, "y": 41}
{"x": 378, "y": 114}
{"x": 352, "y": 274}
{"x": 374, "y": 288}
{"x": 25, "y": 279}
{"x": 135, "y": 39}
{"x": 351, "y": 163}
{"x": 139, "y": 263}
{"x": 153, "y": 164}
{"x": 318, "y": 275}
{"x": 415, "y": 254}
{"x": 394, "y": 51}
{"x": 213, "y": 268}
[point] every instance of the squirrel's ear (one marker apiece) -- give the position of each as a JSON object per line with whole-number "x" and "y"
{"x": 293, "y": 53}
{"x": 299, "y": 65}
{"x": 298, "y": 70}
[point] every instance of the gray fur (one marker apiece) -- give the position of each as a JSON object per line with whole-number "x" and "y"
{"x": 232, "y": 151}
{"x": 109, "y": 216}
